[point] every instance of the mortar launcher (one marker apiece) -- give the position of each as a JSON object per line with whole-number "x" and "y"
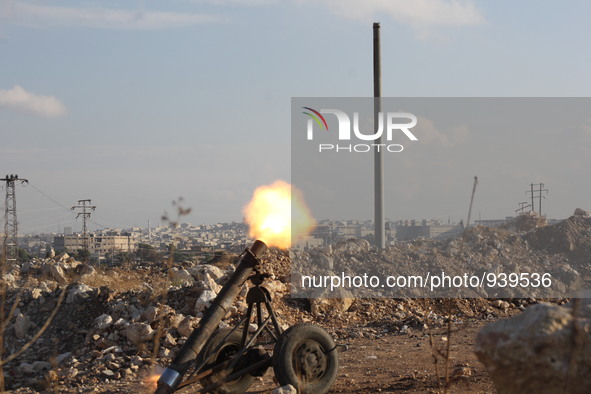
{"x": 228, "y": 360}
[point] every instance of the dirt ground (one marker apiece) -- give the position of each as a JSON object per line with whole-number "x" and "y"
{"x": 392, "y": 363}
{"x": 404, "y": 364}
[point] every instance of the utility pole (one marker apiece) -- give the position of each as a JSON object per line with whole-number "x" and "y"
{"x": 537, "y": 193}
{"x": 82, "y": 204}
{"x": 471, "y": 201}
{"x": 522, "y": 207}
{"x": 10, "y": 222}
{"x": 379, "y": 229}
{"x": 540, "y": 190}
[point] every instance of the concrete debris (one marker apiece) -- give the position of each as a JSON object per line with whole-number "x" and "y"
{"x": 57, "y": 273}
{"x": 138, "y": 333}
{"x": 181, "y": 277}
{"x": 78, "y": 292}
{"x": 103, "y": 322}
{"x": 287, "y": 389}
{"x": 547, "y": 348}
{"x": 204, "y": 301}
{"x": 22, "y": 325}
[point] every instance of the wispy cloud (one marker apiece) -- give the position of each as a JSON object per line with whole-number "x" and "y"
{"x": 422, "y": 15}
{"x": 33, "y": 15}
{"x": 19, "y": 99}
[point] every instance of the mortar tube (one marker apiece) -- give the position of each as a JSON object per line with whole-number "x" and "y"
{"x": 171, "y": 377}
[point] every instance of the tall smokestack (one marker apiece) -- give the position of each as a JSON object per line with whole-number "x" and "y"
{"x": 379, "y": 231}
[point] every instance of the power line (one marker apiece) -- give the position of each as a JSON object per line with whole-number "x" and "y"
{"x": 49, "y": 198}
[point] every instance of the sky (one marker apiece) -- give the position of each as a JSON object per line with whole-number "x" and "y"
{"x": 133, "y": 104}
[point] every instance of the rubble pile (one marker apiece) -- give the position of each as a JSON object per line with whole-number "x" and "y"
{"x": 560, "y": 251}
{"x": 547, "y": 349}
{"x": 117, "y": 324}
{"x": 526, "y": 222}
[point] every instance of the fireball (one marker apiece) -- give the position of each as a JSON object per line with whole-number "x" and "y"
{"x": 278, "y": 215}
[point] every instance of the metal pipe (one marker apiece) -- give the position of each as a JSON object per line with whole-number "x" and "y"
{"x": 172, "y": 376}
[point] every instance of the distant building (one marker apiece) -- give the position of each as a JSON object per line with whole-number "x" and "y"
{"x": 97, "y": 243}
{"x": 493, "y": 222}
{"x": 407, "y": 230}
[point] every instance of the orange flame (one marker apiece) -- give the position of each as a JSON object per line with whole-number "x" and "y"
{"x": 151, "y": 381}
{"x": 278, "y": 215}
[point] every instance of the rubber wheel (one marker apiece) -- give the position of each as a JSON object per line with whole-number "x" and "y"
{"x": 306, "y": 357}
{"x": 231, "y": 345}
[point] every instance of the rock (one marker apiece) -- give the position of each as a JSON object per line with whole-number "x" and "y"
{"x": 320, "y": 306}
{"x": 77, "y": 292}
{"x": 582, "y": 212}
{"x": 57, "y": 273}
{"x": 103, "y": 322}
{"x": 287, "y": 389}
{"x": 151, "y": 314}
{"x": 210, "y": 284}
{"x": 85, "y": 270}
{"x": 112, "y": 349}
{"x": 168, "y": 340}
{"x": 40, "y": 366}
{"x": 108, "y": 373}
{"x": 10, "y": 280}
{"x": 26, "y": 368}
{"x": 139, "y": 332}
{"x": 164, "y": 352}
{"x": 69, "y": 373}
{"x": 275, "y": 286}
{"x": 22, "y": 325}
{"x": 539, "y": 350}
{"x": 36, "y": 293}
{"x": 504, "y": 305}
{"x": 200, "y": 271}
{"x": 175, "y": 320}
{"x": 187, "y": 326}
{"x": 51, "y": 376}
{"x": 181, "y": 277}
{"x": 357, "y": 246}
{"x": 204, "y": 301}
{"x": 62, "y": 257}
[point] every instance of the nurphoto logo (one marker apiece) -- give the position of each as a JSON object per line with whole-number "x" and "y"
{"x": 392, "y": 121}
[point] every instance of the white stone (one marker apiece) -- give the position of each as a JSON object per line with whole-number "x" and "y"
{"x": 204, "y": 301}
{"x": 78, "y": 291}
{"x": 287, "y": 389}
{"x": 103, "y": 322}
{"x": 139, "y": 332}
{"x": 181, "y": 277}
{"x": 57, "y": 273}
